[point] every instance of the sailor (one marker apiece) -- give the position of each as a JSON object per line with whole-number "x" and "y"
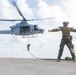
{"x": 66, "y": 39}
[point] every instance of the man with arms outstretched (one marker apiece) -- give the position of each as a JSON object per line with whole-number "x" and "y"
{"x": 66, "y": 39}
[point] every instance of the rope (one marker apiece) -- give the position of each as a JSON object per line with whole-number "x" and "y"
{"x": 28, "y": 49}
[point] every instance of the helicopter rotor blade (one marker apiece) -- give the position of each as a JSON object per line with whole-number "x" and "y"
{"x": 26, "y": 20}
{"x": 9, "y": 20}
{"x": 42, "y": 19}
{"x": 15, "y": 20}
{"x": 18, "y": 10}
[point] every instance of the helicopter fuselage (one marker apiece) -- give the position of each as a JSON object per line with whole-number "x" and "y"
{"x": 23, "y": 28}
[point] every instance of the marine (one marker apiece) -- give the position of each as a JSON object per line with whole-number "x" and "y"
{"x": 66, "y": 40}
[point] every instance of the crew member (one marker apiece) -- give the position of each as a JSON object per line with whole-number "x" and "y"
{"x": 66, "y": 39}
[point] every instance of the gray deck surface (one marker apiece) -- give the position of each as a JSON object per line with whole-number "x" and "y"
{"x": 15, "y": 66}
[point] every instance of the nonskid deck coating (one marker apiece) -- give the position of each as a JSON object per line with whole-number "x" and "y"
{"x": 16, "y": 66}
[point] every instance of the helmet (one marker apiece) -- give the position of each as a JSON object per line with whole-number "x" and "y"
{"x": 65, "y": 23}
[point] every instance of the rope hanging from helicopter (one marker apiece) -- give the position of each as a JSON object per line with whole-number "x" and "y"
{"x": 28, "y": 45}
{"x": 28, "y": 49}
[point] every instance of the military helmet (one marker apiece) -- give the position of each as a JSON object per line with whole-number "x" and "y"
{"x": 65, "y": 23}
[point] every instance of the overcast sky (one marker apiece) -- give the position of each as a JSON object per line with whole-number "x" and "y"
{"x": 45, "y": 45}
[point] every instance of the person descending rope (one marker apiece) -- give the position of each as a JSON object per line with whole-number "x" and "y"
{"x": 28, "y": 47}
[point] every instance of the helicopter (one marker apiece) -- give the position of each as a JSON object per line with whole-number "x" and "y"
{"x": 23, "y": 28}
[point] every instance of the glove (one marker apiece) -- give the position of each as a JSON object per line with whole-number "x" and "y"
{"x": 49, "y": 30}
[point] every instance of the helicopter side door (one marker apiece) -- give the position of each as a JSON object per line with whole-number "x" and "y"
{"x": 24, "y": 30}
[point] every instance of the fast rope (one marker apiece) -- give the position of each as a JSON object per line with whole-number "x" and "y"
{"x": 28, "y": 49}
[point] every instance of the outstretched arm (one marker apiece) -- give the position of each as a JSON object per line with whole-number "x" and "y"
{"x": 73, "y": 30}
{"x": 54, "y": 30}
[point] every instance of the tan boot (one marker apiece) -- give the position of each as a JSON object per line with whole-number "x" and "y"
{"x": 74, "y": 60}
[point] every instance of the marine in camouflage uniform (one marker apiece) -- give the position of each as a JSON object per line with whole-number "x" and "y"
{"x": 66, "y": 39}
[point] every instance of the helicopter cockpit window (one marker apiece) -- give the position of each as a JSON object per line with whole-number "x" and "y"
{"x": 35, "y": 27}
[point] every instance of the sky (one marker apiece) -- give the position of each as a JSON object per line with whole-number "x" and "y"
{"x": 44, "y": 45}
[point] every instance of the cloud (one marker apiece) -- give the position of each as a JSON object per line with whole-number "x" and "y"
{"x": 12, "y": 46}
{"x": 45, "y": 45}
{"x": 25, "y": 9}
{"x": 70, "y": 10}
{"x": 62, "y": 14}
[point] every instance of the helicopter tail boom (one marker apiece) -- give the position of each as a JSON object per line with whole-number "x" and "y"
{"x": 5, "y": 32}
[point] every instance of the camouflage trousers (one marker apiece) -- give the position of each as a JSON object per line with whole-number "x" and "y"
{"x": 68, "y": 42}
